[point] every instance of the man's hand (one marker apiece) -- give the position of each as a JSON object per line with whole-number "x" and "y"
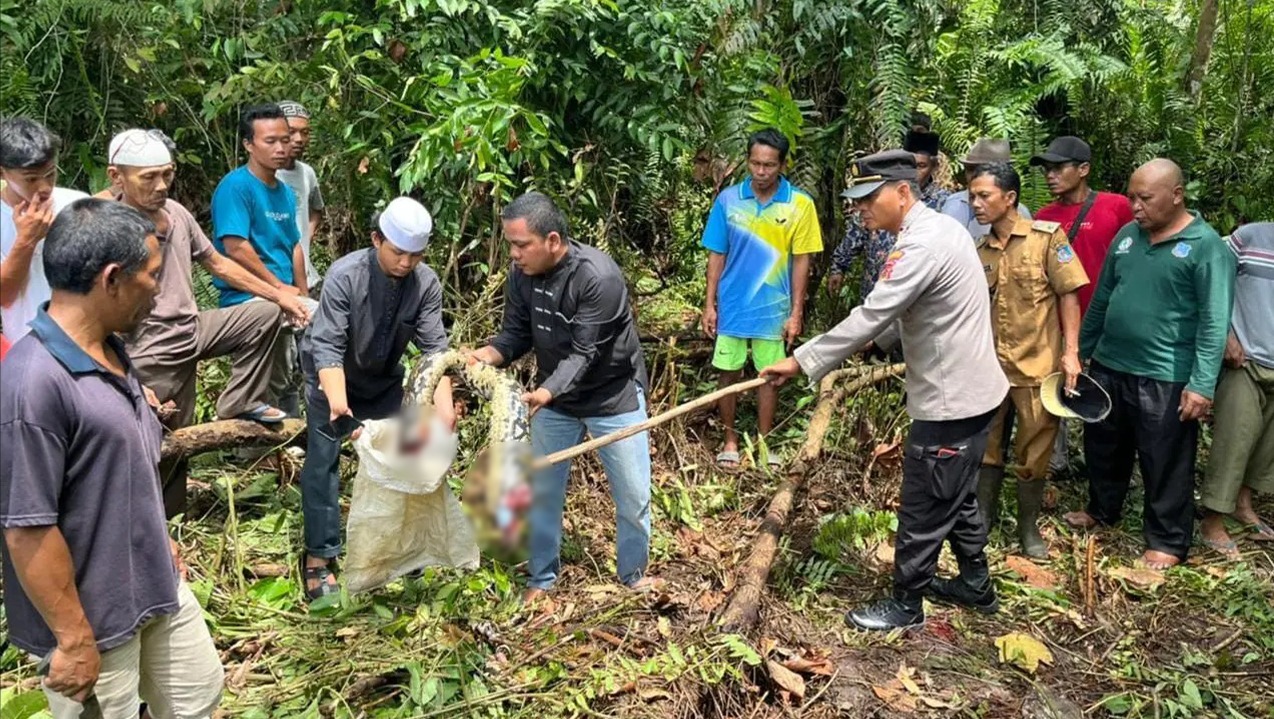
{"x": 1071, "y": 369}
{"x": 709, "y": 321}
{"x": 537, "y": 399}
{"x": 292, "y": 290}
{"x": 792, "y": 328}
{"x": 1193, "y": 406}
{"x": 343, "y": 410}
{"x": 32, "y": 221}
{"x": 178, "y": 562}
{"x": 74, "y": 668}
{"x": 294, "y": 308}
{"x": 1234, "y": 355}
{"x": 835, "y": 282}
{"x": 486, "y": 355}
{"x": 780, "y": 372}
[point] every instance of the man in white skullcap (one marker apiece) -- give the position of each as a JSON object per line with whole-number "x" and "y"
{"x": 374, "y": 301}
{"x": 167, "y": 347}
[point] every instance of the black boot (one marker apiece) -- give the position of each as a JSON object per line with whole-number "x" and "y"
{"x": 1030, "y": 496}
{"x": 973, "y": 588}
{"x": 990, "y": 479}
{"x": 897, "y": 612}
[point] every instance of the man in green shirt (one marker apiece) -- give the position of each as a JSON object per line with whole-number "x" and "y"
{"x": 1155, "y": 333}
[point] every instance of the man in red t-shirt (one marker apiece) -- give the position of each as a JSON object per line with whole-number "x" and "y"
{"x": 1066, "y": 167}
{"x": 1066, "y": 164}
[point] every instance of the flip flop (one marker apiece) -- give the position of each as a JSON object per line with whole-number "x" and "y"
{"x": 774, "y": 462}
{"x": 1226, "y": 548}
{"x": 265, "y": 414}
{"x": 728, "y": 459}
{"x": 1260, "y": 531}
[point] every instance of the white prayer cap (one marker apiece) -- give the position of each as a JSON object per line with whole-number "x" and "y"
{"x": 406, "y": 224}
{"x": 139, "y": 148}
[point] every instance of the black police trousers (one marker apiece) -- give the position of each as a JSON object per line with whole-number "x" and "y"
{"x": 1143, "y": 422}
{"x": 939, "y": 500}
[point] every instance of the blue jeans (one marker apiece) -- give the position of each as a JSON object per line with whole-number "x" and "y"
{"x": 627, "y": 464}
{"x": 320, "y": 475}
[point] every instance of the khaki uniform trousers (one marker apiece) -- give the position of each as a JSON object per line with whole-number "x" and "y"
{"x": 1033, "y": 441}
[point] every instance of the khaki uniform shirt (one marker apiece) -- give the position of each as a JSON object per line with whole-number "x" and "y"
{"x": 931, "y": 287}
{"x": 1026, "y": 275}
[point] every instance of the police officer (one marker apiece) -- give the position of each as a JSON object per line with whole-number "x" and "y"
{"x": 932, "y": 285}
{"x": 1034, "y": 277}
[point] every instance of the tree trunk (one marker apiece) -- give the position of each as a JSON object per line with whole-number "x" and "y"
{"x": 1204, "y": 37}
{"x": 743, "y": 610}
{"x": 228, "y": 434}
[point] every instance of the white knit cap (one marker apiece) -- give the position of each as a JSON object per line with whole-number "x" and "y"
{"x": 406, "y": 224}
{"x": 139, "y": 148}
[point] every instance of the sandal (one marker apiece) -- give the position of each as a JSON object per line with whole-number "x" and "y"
{"x": 729, "y": 460}
{"x": 1260, "y": 531}
{"x": 320, "y": 575}
{"x": 265, "y": 414}
{"x": 774, "y": 462}
{"x": 1225, "y": 547}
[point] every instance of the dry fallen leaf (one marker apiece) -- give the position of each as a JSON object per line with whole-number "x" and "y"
{"x": 821, "y": 666}
{"x": 1023, "y": 650}
{"x": 895, "y": 696}
{"x": 904, "y": 677}
{"x": 768, "y": 645}
{"x": 1140, "y": 577}
{"x": 885, "y": 553}
{"x": 664, "y": 626}
{"x": 651, "y": 694}
{"x": 787, "y": 679}
{"x": 709, "y": 600}
{"x": 1032, "y": 573}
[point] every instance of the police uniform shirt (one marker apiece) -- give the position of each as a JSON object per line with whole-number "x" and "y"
{"x": 933, "y": 282}
{"x": 1026, "y": 274}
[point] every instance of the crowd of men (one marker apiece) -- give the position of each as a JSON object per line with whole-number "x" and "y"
{"x": 999, "y": 317}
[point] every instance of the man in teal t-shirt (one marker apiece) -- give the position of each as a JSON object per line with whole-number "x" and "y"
{"x": 760, "y": 236}
{"x": 254, "y": 223}
{"x": 1155, "y": 332}
{"x": 254, "y": 214}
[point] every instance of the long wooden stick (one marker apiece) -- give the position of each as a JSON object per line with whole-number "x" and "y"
{"x": 675, "y": 412}
{"x": 743, "y": 609}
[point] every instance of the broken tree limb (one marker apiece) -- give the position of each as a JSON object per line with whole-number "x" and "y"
{"x": 742, "y": 611}
{"x": 228, "y": 434}
{"x": 675, "y": 412}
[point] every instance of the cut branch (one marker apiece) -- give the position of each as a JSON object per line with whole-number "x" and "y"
{"x": 228, "y": 434}
{"x": 742, "y": 612}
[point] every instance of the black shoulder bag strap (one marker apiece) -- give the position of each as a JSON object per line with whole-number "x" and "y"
{"x": 1079, "y": 219}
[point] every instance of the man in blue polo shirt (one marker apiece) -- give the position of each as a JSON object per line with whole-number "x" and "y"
{"x": 92, "y": 581}
{"x": 760, "y": 236}
{"x": 254, "y": 223}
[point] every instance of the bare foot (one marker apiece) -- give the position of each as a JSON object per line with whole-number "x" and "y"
{"x": 534, "y": 595}
{"x": 1159, "y": 560}
{"x": 1080, "y": 520}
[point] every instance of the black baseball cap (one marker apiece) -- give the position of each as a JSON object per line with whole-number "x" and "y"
{"x": 1066, "y": 148}
{"x": 868, "y": 174}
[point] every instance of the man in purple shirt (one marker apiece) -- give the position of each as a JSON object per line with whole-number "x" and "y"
{"x": 93, "y": 584}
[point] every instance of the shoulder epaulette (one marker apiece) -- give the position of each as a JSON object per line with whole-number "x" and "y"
{"x": 1046, "y": 226}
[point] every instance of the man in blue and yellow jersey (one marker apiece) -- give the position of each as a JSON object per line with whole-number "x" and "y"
{"x": 760, "y": 236}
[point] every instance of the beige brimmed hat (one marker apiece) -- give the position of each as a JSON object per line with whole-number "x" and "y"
{"x": 1087, "y": 402}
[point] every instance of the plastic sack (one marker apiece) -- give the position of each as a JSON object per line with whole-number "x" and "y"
{"x": 403, "y": 516}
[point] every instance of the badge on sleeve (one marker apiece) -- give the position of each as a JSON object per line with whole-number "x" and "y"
{"x": 1182, "y": 250}
{"x": 888, "y": 270}
{"x": 1065, "y": 254}
{"x": 1124, "y": 245}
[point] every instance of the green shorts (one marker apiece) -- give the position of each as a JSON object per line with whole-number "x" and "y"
{"x": 731, "y": 353}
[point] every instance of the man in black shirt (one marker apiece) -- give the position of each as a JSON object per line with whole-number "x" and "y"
{"x": 569, "y": 303}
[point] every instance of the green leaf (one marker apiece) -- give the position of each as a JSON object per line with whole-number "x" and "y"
{"x": 21, "y": 705}
{"x": 1190, "y": 694}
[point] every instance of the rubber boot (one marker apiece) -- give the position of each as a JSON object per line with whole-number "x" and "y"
{"x": 973, "y": 588}
{"x": 1030, "y": 496}
{"x": 990, "y": 479}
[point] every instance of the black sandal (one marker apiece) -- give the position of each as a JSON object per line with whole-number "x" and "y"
{"x": 319, "y": 574}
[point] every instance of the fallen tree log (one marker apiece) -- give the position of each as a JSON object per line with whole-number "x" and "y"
{"x": 228, "y": 434}
{"x": 743, "y": 610}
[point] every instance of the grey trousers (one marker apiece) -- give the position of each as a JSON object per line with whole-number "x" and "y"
{"x": 247, "y": 333}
